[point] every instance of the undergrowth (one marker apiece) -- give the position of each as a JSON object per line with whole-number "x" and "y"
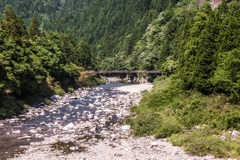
{"x": 169, "y": 111}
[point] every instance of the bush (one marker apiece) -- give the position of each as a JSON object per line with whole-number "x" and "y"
{"x": 71, "y": 90}
{"x": 168, "y": 128}
{"x": 203, "y": 142}
{"x": 59, "y": 91}
{"x": 48, "y": 102}
{"x": 146, "y": 123}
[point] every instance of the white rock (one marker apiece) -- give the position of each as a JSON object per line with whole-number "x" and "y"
{"x": 68, "y": 127}
{"x": 93, "y": 129}
{"x": 16, "y": 132}
{"x": 153, "y": 144}
{"x": 113, "y": 135}
{"x": 197, "y": 127}
{"x": 42, "y": 123}
{"x": 222, "y": 138}
{"x": 235, "y": 133}
{"x": 126, "y": 127}
{"x": 39, "y": 136}
{"x": 25, "y": 137}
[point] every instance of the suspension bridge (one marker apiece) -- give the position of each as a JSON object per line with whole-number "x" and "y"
{"x": 123, "y": 71}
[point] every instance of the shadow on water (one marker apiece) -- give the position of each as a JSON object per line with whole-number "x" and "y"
{"x": 11, "y": 145}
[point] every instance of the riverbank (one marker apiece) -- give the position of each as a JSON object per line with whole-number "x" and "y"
{"x": 88, "y": 125}
{"x": 135, "y": 88}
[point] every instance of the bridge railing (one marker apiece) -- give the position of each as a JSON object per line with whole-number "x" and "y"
{"x": 122, "y": 71}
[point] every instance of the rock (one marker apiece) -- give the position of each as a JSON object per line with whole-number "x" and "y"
{"x": 68, "y": 127}
{"x": 42, "y": 123}
{"x": 113, "y": 135}
{"x": 153, "y": 144}
{"x": 33, "y": 131}
{"x": 55, "y": 97}
{"x": 67, "y": 139}
{"x": 16, "y": 132}
{"x": 235, "y": 133}
{"x": 39, "y": 136}
{"x": 64, "y": 118}
{"x": 73, "y": 97}
{"x": 94, "y": 129}
{"x": 126, "y": 127}
{"x": 222, "y": 138}
{"x": 197, "y": 127}
{"x": 73, "y": 148}
{"x": 25, "y": 137}
{"x": 51, "y": 140}
{"x": 90, "y": 116}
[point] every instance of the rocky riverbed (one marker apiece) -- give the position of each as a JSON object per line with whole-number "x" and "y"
{"x": 84, "y": 125}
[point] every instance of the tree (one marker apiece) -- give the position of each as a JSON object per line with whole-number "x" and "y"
{"x": 34, "y": 28}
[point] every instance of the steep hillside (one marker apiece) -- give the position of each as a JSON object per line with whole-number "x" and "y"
{"x": 158, "y": 46}
{"x": 116, "y": 26}
{"x": 57, "y": 15}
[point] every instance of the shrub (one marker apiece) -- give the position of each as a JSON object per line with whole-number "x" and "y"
{"x": 168, "y": 128}
{"x": 59, "y": 91}
{"x": 146, "y": 123}
{"x": 203, "y": 142}
{"x": 48, "y": 102}
{"x": 71, "y": 90}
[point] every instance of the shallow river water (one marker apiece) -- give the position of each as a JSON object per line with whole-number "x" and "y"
{"x": 14, "y": 135}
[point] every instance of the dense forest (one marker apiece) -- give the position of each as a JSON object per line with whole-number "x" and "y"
{"x": 56, "y": 15}
{"x": 32, "y": 61}
{"x": 110, "y": 27}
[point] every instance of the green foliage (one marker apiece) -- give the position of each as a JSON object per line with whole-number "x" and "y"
{"x": 167, "y": 109}
{"x": 206, "y": 141}
{"x": 146, "y": 123}
{"x": 34, "y": 28}
{"x": 168, "y": 127}
{"x": 48, "y": 102}
{"x": 59, "y": 91}
{"x": 71, "y": 90}
{"x": 33, "y": 62}
{"x": 209, "y": 54}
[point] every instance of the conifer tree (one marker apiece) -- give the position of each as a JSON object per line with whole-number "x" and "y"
{"x": 11, "y": 25}
{"x": 34, "y": 28}
{"x": 23, "y": 27}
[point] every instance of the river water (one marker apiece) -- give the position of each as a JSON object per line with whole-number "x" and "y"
{"x": 14, "y": 136}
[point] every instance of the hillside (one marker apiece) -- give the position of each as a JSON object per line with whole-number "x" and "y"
{"x": 109, "y": 26}
{"x": 56, "y": 15}
{"x": 197, "y": 106}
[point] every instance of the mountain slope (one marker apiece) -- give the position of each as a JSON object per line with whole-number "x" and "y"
{"x": 57, "y": 15}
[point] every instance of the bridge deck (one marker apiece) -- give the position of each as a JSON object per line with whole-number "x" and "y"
{"x": 122, "y": 71}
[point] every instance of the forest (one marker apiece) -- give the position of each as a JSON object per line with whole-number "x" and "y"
{"x": 35, "y": 62}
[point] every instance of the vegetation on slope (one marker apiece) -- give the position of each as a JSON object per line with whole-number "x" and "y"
{"x": 203, "y": 91}
{"x": 110, "y": 27}
{"x": 34, "y": 62}
{"x": 56, "y": 15}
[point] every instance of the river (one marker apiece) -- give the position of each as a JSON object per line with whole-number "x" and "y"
{"x": 19, "y": 132}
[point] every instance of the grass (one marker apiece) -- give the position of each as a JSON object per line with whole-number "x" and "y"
{"x": 169, "y": 111}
